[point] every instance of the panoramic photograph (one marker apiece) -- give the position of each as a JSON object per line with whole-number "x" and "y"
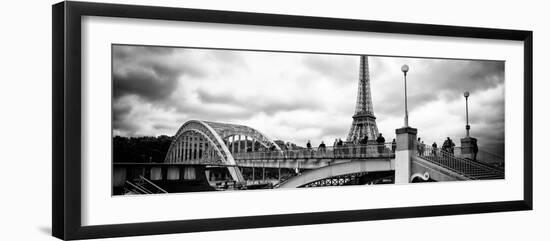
{"x": 194, "y": 119}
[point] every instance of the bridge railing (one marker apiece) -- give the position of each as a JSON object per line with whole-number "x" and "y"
{"x": 330, "y": 152}
{"x": 490, "y": 159}
{"x": 482, "y": 156}
{"x": 451, "y": 160}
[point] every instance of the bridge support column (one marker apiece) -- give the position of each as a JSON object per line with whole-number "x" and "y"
{"x": 404, "y": 152}
{"x": 467, "y": 147}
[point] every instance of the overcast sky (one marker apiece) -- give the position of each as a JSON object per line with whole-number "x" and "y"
{"x": 298, "y": 97}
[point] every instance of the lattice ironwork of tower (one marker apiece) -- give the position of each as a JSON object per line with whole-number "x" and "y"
{"x": 364, "y": 122}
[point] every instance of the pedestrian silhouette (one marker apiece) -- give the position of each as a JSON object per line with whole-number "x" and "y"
{"x": 419, "y": 147}
{"x": 434, "y": 149}
{"x": 380, "y": 141}
{"x": 475, "y": 147}
{"x": 322, "y": 147}
{"x": 449, "y": 146}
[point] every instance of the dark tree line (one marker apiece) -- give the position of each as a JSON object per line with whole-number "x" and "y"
{"x": 140, "y": 149}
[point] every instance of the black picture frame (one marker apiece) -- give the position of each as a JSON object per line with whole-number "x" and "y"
{"x": 66, "y": 127}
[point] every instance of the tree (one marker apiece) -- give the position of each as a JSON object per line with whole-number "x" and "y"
{"x": 140, "y": 149}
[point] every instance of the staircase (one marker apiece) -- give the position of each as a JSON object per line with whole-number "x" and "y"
{"x": 142, "y": 185}
{"x": 467, "y": 168}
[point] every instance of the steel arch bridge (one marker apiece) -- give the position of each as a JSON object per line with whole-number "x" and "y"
{"x": 210, "y": 143}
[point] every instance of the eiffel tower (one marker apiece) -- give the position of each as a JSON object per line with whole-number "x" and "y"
{"x": 364, "y": 122}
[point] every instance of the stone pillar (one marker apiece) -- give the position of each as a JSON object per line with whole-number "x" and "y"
{"x": 467, "y": 147}
{"x": 181, "y": 169}
{"x": 404, "y": 152}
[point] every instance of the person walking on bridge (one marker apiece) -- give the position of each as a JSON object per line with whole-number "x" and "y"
{"x": 449, "y": 146}
{"x": 363, "y": 143}
{"x": 364, "y": 140}
{"x": 475, "y": 148}
{"x": 335, "y": 147}
{"x": 340, "y": 147}
{"x": 419, "y": 147}
{"x": 434, "y": 149}
{"x": 380, "y": 141}
{"x": 308, "y": 146}
{"x": 445, "y": 145}
{"x": 322, "y": 148}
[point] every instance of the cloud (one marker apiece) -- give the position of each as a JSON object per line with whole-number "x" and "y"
{"x": 149, "y": 72}
{"x": 255, "y": 103}
{"x": 332, "y": 66}
{"x": 430, "y": 80}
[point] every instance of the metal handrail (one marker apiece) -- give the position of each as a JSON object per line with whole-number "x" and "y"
{"x": 464, "y": 167}
{"x": 490, "y": 158}
{"x": 141, "y": 189}
{"x": 482, "y": 155}
{"x": 152, "y": 184}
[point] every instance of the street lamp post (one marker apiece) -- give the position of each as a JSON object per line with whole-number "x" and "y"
{"x": 405, "y": 69}
{"x": 466, "y": 95}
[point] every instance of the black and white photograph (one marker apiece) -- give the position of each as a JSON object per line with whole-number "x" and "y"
{"x": 191, "y": 119}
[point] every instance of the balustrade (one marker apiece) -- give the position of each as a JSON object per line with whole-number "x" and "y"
{"x": 330, "y": 152}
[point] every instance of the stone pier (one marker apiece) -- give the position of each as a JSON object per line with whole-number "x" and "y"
{"x": 404, "y": 152}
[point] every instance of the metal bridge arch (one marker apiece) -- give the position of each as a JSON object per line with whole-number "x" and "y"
{"x": 212, "y": 144}
{"x": 207, "y": 151}
{"x": 226, "y": 131}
